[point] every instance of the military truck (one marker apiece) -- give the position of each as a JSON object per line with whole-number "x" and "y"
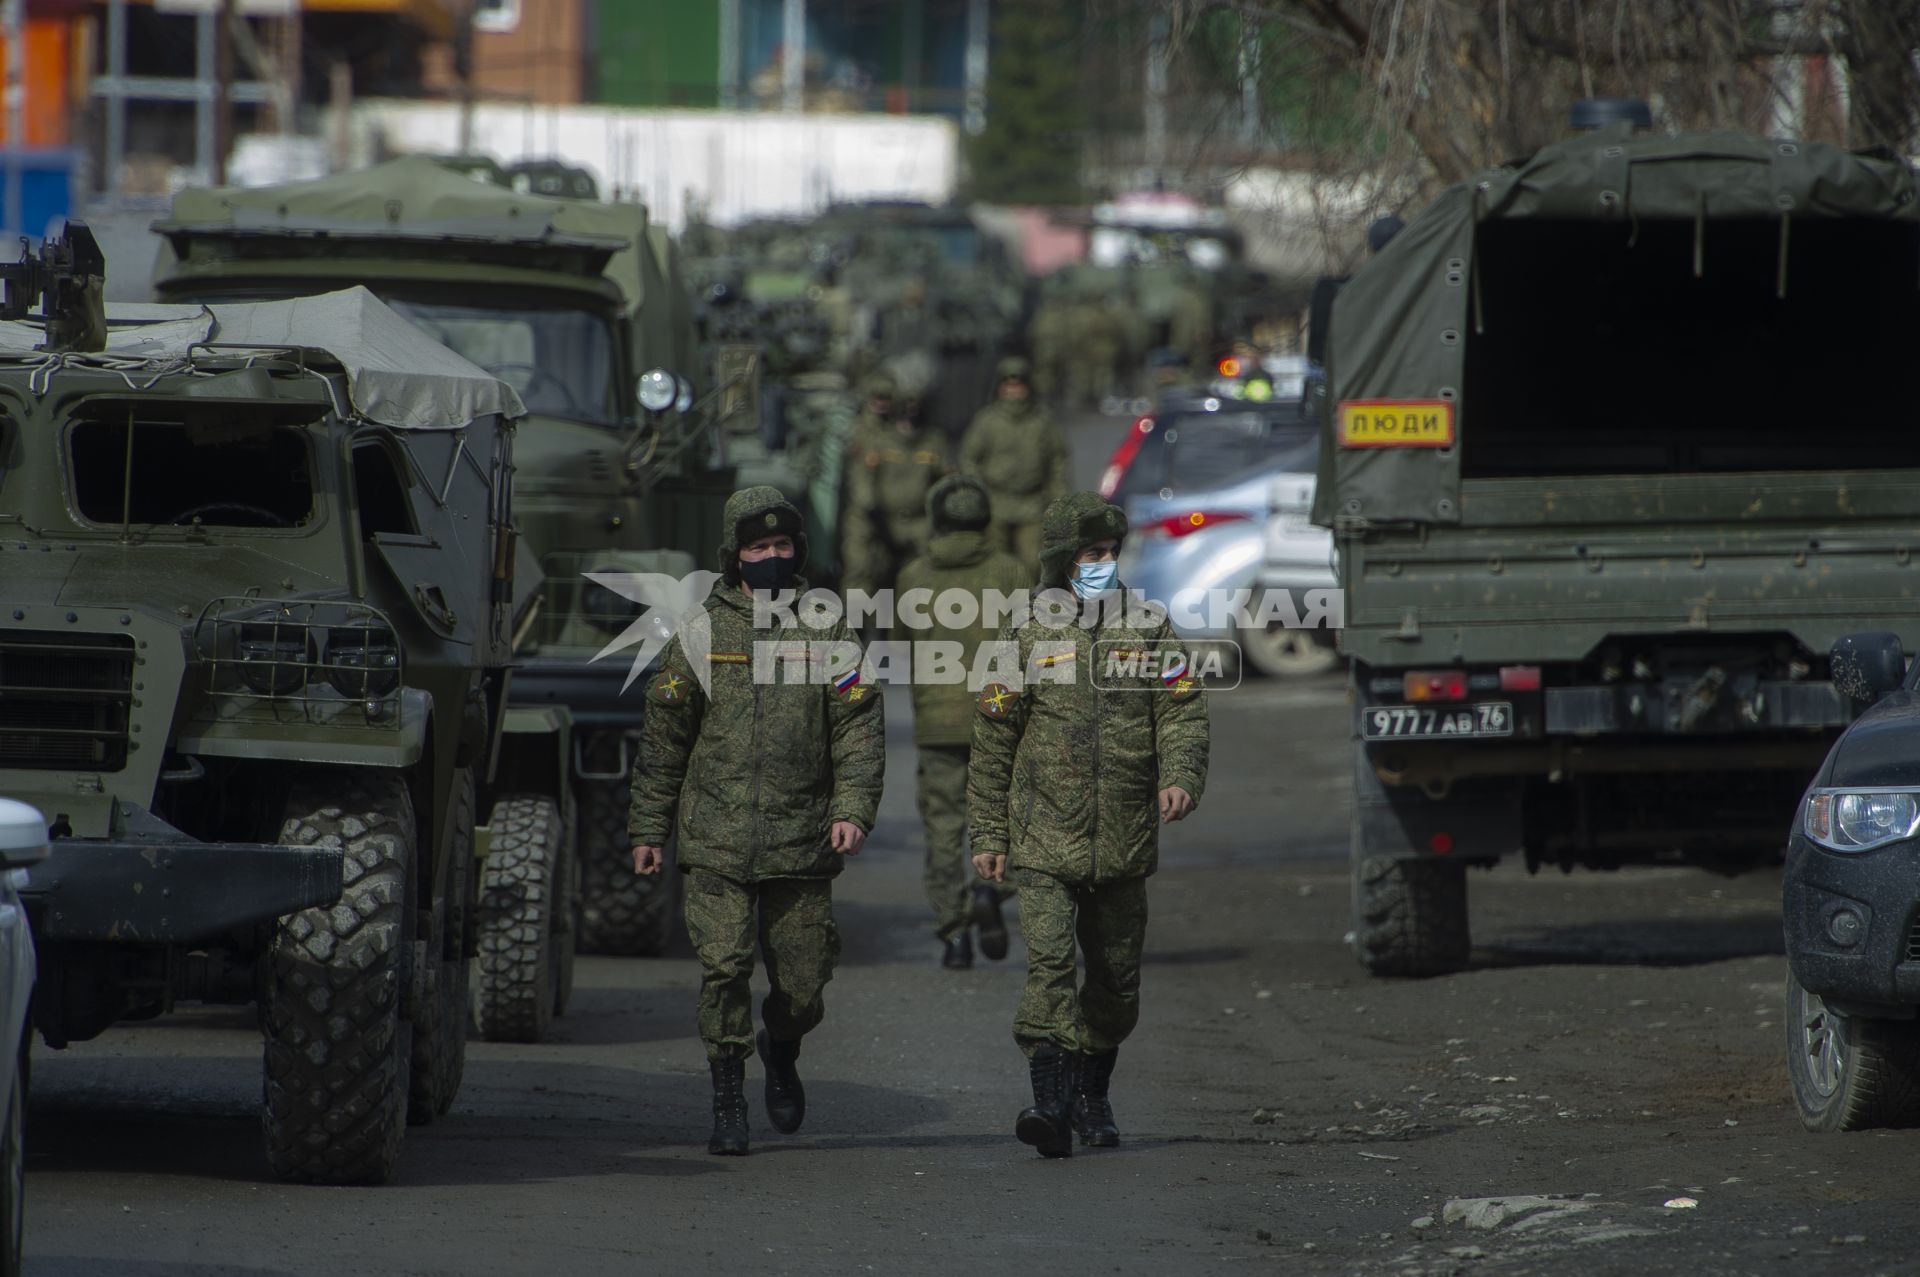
{"x": 1614, "y": 453}
{"x": 569, "y": 301}
{"x": 258, "y": 584}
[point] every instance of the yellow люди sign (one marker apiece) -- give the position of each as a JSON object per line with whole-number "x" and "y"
{"x": 1396, "y": 423}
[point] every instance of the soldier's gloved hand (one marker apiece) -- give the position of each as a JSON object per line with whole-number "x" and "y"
{"x": 1175, "y": 804}
{"x": 991, "y": 868}
{"x": 848, "y": 838}
{"x": 647, "y": 859}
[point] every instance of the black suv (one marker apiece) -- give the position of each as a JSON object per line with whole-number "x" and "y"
{"x": 1851, "y": 900}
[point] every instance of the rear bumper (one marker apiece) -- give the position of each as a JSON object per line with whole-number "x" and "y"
{"x": 173, "y": 892}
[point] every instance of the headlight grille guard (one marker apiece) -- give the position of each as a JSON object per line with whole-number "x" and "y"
{"x": 299, "y": 661}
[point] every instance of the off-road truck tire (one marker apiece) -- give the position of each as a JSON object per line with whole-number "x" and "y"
{"x": 569, "y": 913}
{"x": 440, "y": 1022}
{"x": 522, "y": 894}
{"x": 1410, "y": 916}
{"x": 621, "y": 912}
{"x": 338, "y": 1050}
{"x": 1849, "y": 1073}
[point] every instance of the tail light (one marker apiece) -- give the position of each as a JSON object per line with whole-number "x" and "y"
{"x": 1435, "y": 685}
{"x": 1179, "y": 525}
{"x": 1229, "y": 367}
{"x": 1519, "y": 678}
{"x": 1123, "y": 456}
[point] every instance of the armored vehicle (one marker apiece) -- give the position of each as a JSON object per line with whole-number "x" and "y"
{"x": 1612, "y": 457}
{"x": 258, "y": 584}
{"x": 568, "y": 301}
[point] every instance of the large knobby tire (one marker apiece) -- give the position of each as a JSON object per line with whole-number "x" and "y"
{"x": 522, "y": 930}
{"x": 621, "y": 912}
{"x": 338, "y": 1050}
{"x": 440, "y": 1022}
{"x": 568, "y": 914}
{"x": 1850, "y": 1074}
{"x": 1410, "y": 916}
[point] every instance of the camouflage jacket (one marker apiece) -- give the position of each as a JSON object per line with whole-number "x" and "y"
{"x": 756, "y": 772}
{"x": 1066, "y": 773}
{"x": 888, "y": 476}
{"x": 1017, "y": 450}
{"x": 943, "y": 712}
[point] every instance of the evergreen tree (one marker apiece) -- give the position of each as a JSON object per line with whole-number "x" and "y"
{"x": 1030, "y": 150}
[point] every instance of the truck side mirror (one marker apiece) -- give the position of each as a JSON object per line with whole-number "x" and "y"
{"x": 1865, "y": 667}
{"x": 23, "y": 835}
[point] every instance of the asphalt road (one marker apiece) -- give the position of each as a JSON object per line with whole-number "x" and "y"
{"x": 1616, "y": 1046}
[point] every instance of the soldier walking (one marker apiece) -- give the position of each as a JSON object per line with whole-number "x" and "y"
{"x": 958, "y": 557}
{"x": 893, "y": 461}
{"x": 769, "y": 786}
{"x": 1069, "y": 778}
{"x": 1017, "y": 450}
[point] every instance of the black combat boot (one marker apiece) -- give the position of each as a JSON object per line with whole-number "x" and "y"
{"x": 1046, "y": 1125}
{"x": 1092, "y": 1115}
{"x": 959, "y": 952}
{"x": 786, "y": 1098}
{"x": 729, "y": 1138}
{"x": 993, "y": 927}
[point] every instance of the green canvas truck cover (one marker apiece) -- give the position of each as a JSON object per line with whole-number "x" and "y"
{"x": 1403, "y": 326}
{"x": 414, "y": 197}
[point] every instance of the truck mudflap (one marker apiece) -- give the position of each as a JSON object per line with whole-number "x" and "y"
{"x": 173, "y": 892}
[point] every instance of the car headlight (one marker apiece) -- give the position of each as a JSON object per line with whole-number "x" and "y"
{"x": 1861, "y": 819}
{"x": 658, "y": 389}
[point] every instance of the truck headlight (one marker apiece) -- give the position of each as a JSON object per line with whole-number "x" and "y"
{"x": 363, "y": 663}
{"x": 1861, "y": 819}
{"x": 273, "y": 658}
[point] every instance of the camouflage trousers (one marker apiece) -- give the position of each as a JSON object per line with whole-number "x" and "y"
{"x": 1108, "y": 921}
{"x": 791, "y": 919}
{"x": 942, "y": 790}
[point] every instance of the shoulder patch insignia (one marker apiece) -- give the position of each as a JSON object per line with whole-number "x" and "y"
{"x": 668, "y": 688}
{"x": 848, "y": 686}
{"x": 1184, "y": 688}
{"x": 997, "y": 700}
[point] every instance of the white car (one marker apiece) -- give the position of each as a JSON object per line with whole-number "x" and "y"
{"x": 23, "y": 842}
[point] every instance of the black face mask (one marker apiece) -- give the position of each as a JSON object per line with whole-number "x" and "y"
{"x": 769, "y": 575}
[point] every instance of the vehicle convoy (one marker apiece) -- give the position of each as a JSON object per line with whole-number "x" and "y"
{"x": 1601, "y": 507}
{"x": 568, "y": 301}
{"x": 1850, "y": 900}
{"x": 258, "y": 585}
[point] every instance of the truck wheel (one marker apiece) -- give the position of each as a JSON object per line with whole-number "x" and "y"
{"x": 1280, "y": 652}
{"x": 1410, "y": 916}
{"x": 440, "y": 1023}
{"x": 1847, "y": 1073}
{"x": 338, "y": 1051}
{"x": 567, "y": 912}
{"x": 521, "y": 931}
{"x": 621, "y": 913}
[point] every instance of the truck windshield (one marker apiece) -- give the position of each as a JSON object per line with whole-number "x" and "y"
{"x": 1674, "y": 347}
{"x": 560, "y": 358}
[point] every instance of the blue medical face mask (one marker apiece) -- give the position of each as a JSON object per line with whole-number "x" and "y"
{"x": 1094, "y": 578}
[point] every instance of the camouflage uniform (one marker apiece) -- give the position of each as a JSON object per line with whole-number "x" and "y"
{"x": 957, "y": 558}
{"x": 891, "y": 466}
{"x": 1064, "y": 781}
{"x": 1016, "y": 449}
{"x": 752, "y": 776}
